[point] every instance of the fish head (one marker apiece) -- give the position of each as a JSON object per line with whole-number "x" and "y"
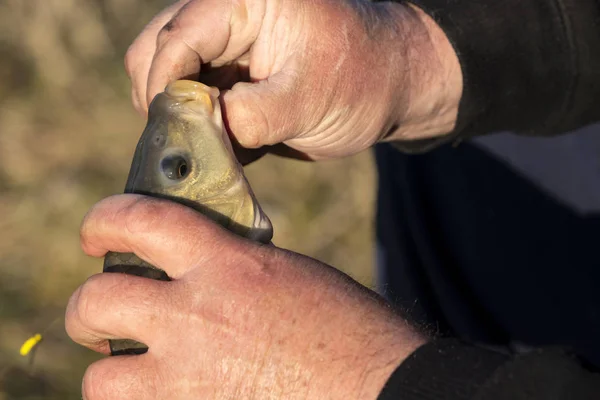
{"x": 185, "y": 155}
{"x": 184, "y": 151}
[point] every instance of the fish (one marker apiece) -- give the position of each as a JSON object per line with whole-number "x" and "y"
{"x": 185, "y": 155}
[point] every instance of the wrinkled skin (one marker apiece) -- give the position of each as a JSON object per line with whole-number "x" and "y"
{"x": 243, "y": 320}
{"x": 329, "y": 77}
{"x": 239, "y": 320}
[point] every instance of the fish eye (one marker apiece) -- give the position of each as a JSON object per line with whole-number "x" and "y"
{"x": 174, "y": 167}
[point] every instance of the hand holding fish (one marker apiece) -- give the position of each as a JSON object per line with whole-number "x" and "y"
{"x": 239, "y": 320}
{"x": 327, "y": 78}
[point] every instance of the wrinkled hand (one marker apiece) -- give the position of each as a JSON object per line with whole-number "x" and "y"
{"x": 239, "y": 320}
{"x": 328, "y": 78}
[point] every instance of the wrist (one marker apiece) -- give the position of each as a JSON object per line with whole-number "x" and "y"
{"x": 426, "y": 100}
{"x": 375, "y": 341}
{"x": 377, "y": 371}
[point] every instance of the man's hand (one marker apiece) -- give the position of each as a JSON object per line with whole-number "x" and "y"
{"x": 328, "y": 78}
{"x": 239, "y": 320}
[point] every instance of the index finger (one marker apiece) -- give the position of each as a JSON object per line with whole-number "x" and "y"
{"x": 168, "y": 235}
{"x": 141, "y": 52}
{"x": 198, "y": 33}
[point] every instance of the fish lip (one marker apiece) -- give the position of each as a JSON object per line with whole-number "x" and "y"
{"x": 187, "y": 92}
{"x": 182, "y": 107}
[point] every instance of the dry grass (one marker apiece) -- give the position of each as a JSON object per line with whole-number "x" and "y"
{"x": 67, "y": 136}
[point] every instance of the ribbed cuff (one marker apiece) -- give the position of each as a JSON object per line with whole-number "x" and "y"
{"x": 443, "y": 369}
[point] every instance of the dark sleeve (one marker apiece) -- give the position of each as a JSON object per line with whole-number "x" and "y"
{"x": 529, "y": 66}
{"x": 451, "y": 370}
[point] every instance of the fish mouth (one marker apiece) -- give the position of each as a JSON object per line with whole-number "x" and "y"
{"x": 194, "y": 95}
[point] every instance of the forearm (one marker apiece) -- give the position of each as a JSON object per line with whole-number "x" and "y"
{"x": 428, "y": 96}
{"x": 531, "y": 67}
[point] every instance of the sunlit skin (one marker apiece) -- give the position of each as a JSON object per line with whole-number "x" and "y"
{"x": 241, "y": 319}
{"x": 324, "y": 78}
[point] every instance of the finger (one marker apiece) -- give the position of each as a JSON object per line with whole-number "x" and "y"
{"x": 244, "y": 156}
{"x": 166, "y": 234}
{"x": 139, "y": 55}
{"x": 265, "y": 113}
{"x": 123, "y": 377}
{"x": 198, "y": 33}
{"x": 118, "y": 306}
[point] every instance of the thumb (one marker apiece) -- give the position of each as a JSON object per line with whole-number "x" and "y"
{"x": 264, "y": 113}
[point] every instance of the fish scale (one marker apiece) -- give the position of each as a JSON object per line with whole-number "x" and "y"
{"x": 184, "y": 155}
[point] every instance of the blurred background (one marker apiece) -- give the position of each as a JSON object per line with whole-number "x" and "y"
{"x": 67, "y": 135}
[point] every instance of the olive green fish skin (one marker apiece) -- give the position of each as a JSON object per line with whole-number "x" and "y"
{"x": 185, "y": 155}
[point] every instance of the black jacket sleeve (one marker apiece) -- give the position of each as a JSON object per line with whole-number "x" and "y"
{"x": 450, "y": 370}
{"x": 529, "y": 66}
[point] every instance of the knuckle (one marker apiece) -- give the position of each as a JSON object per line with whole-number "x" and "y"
{"x": 169, "y": 30}
{"x": 147, "y": 214}
{"x": 84, "y": 228}
{"x": 90, "y": 221}
{"x": 96, "y": 382}
{"x": 141, "y": 215}
{"x": 90, "y": 227}
{"x": 97, "y": 221}
{"x": 84, "y": 305}
{"x": 89, "y": 301}
{"x": 72, "y": 323}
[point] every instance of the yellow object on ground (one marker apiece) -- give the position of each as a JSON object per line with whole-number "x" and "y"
{"x": 30, "y": 344}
